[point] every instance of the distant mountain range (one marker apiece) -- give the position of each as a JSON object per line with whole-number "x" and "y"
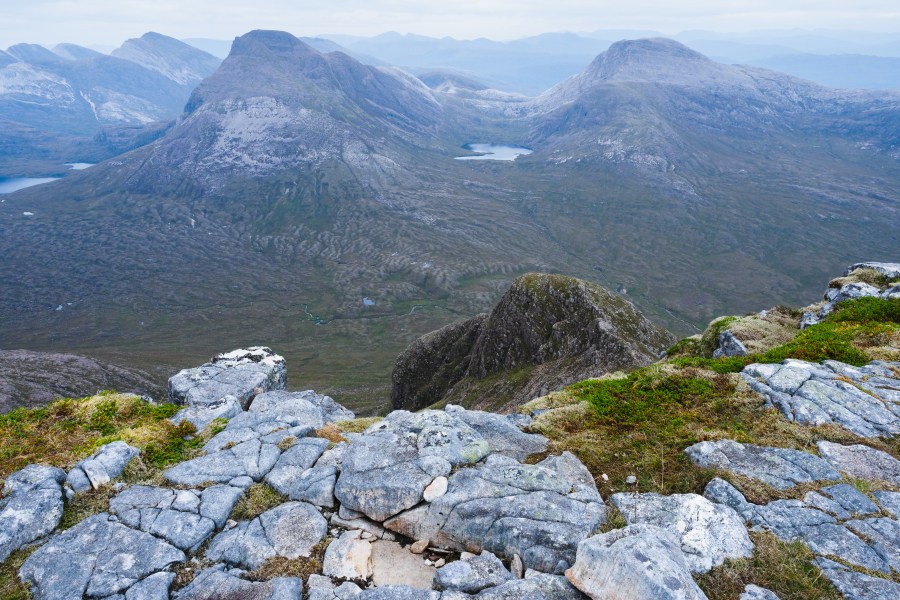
{"x": 312, "y": 201}
{"x": 55, "y": 103}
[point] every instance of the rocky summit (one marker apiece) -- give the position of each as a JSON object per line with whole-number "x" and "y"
{"x": 742, "y": 477}
{"x": 546, "y": 331}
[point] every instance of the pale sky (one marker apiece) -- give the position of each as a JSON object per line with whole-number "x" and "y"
{"x": 109, "y": 22}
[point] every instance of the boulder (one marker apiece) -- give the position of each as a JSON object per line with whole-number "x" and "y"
{"x": 242, "y": 373}
{"x": 202, "y": 415}
{"x": 98, "y": 557}
{"x": 863, "y": 462}
{"x": 635, "y": 563}
{"x": 472, "y": 575}
{"x": 290, "y": 530}
{"x": 709, "y": 533}
{"x": 779, "y": 467}
{"x": 539, "y": 512}
{"x": 729, "y": 345}
{"x": 101, "y": 467}
{"x": 537, "y": 586}
{"x": 295, "y": 477}
{"x": 215, "y": 583}
{"x": 31, "y": 506}
{"x": 886, "y": 270}
{"x": 348, "y": 557}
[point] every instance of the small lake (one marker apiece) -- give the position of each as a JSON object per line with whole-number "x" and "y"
{"x": 494, "y": 152}
{"x": 8, "y": 186}
{"x": 14, "y": 184}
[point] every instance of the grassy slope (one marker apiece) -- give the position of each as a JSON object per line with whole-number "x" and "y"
{"x": 640, "y": 423}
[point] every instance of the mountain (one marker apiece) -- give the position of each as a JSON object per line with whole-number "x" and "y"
{"x": 311, "y": 201}
{"x": 68, "y": 97}
{"x": 171, "y": 58}
{"x": 546, "y": 332}
{"x": 37, "y": 378}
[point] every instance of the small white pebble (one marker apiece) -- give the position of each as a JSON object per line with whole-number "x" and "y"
{"x": 428, "y": 562}
{"x": 440, "y": 563}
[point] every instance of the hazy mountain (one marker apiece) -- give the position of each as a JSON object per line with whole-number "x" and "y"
{"x": 221, "y": 48}
{"x": 72, "y": 94}
{"x": 297, "y": 184}
{"x": 171, "y": 58}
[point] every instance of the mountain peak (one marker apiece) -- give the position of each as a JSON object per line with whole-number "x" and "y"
{"x": 172, "y": 58}
{"x": 648, "y": 59}
{"x": 270, "y": 41}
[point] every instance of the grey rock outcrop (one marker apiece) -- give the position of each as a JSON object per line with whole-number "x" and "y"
{"x": 290, "y": 530}
{"x": 634, "y": 563}
{"x": 779, "y": 467}
{"x": 242, "y": 373}
{"x": 573, "y": 328}
{"x": 31, "y": 506}
{"x": 103, "y": 466}
{"x": 98, "y": 557}
{"x": 348, "y": 557}
{"x": 295, "y": 476}
{"x": 861, "y": 461}
{"x": 709, "y": 533}
{"x": 184, "y": 518}
{"x": 215, "y": 583}
{"x": 840, "y": 290}
{"x": 386, "y": 470}
{"x": 508, "y": 508}
{"x": 729, "y": 345}
{"x": 202, "y": 415}
{"x": 812, "y": 394}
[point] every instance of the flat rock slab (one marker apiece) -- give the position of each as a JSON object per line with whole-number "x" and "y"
{"x": 779, "y": 467}
{"x": 184, "y": 518}
{"x": 242, "y": 373}
{"x": 863, "y": 400}
{"x": 202, "y": 415}
{"x": 861, "y": 461}
{"x": 709, "y": 533}
{"x": 754, "y": 592}
{"x": 31, "y": 507}
{"x": 852, "y": 584}
{"x": 539, "y": 512}
{"x": 348, "y": 557}
{"x": 392, "y": 564}
{"x": 289, "y": 404}
{"x": 634, "y": 563}
{"x": 216, "y": 583}
{"x": 290, "y": 530}
{"x": 501, "y": 432}
{"x": 98, "y": 557}
{"x": 101, "y": 467}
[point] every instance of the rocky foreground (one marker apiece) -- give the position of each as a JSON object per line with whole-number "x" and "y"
{"x": 446, "y": 505}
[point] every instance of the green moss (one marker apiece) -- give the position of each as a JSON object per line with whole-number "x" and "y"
{"x": 68, "y": 430}
{"x": 709, "y": 341}
{"x": 11, "y": 587}
{"x": 689, "y": 346}
{"x": 843, "y": 336}
{"x": 258, "y": 498}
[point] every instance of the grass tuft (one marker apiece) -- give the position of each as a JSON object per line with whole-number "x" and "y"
{"x": 258, "y": 498}
{"x": 785, "y": 568}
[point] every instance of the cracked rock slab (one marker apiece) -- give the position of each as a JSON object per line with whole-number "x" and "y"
{"x": 473, "y": 574}
{"x": 295, "y": 476}
{"x": 709, "y": 533}
{"x": 634, "y": 563}
{"x": 217, "y": 584}
{"x": 289, "y": 530}
{"x": 98, "y": 557}
{"x": 539, "y": 512}
{"x": 861, "y": 461}
{"x": 862, "y": 400}
{"x": 779, "y": 467}
{"x": 31, "y": 507}
{"x": 185, "y": 518}
{"x": 854, "y": 585}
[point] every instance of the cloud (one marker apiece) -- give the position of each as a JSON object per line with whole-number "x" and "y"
{"x": 109, "y": 22}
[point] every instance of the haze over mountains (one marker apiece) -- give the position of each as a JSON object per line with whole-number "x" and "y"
{"x": 298, "y": 183}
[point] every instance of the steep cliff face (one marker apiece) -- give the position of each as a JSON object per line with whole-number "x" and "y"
{"x": 546, "y": 331}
